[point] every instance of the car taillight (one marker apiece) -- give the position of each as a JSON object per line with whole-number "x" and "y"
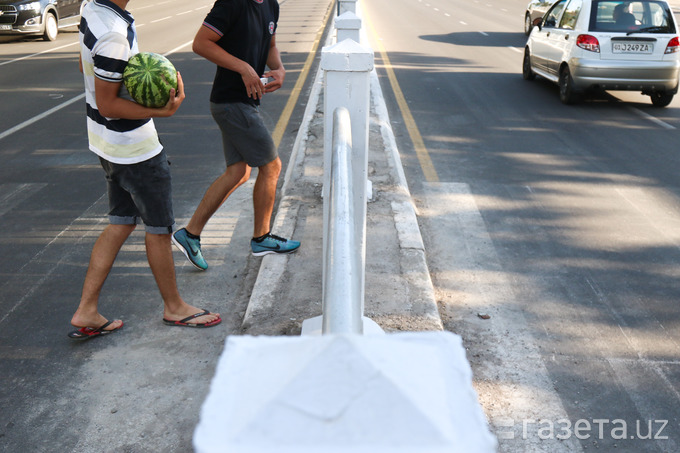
{"x": 673, "y": 45}
{"x": 588, "y": 42}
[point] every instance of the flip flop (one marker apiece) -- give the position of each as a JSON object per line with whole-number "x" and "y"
{"x": 85, "y": 333}
{"x": 184, "y": 323}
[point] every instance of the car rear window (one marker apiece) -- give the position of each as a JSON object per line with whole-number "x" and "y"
{"x": 626, "y": 16}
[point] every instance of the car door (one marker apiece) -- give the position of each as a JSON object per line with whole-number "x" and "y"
{"x": 562, "y": 36}
{"x": 542, "y": 53}
{"x": 67, "y": 8}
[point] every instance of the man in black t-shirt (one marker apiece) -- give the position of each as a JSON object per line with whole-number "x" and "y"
{"x": 239, "y": 37}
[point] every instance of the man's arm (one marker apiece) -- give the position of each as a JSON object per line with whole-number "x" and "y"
{"x": 111, "y": 105}
{"x": 205, "y": 45}
{"x": 276, "y": 69}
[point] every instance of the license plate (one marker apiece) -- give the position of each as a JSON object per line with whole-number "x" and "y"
{"x": 632, "y": 47}
{"x": 5, "y": 27}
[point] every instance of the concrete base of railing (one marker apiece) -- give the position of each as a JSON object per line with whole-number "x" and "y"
{"x": 314, "y": 326}
{"x": 396, "y": 393}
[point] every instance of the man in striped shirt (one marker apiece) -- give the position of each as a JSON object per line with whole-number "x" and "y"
{"x": 122, "y": 133}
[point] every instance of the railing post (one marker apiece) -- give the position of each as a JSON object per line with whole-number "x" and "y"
{"x": 347, "y": 66}
{"x": 347, "y": 5}
{"x": 348, "y": 26}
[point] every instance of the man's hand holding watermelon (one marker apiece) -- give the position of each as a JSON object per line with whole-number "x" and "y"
{"x": 113, "y": 106}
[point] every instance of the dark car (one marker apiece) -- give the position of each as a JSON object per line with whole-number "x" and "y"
{"x": 39, "y": 17}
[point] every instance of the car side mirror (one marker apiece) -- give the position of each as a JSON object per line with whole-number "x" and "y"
{"x": 537, "y": 22}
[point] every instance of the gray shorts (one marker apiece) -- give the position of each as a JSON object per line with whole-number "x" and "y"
{"x": 245, "y": 138}
{"x": 141, "y": 191}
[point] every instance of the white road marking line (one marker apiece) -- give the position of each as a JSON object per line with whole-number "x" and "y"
{"x": 651, "y": 118}
{"x": 518, "y": 386}
{"x": 37, "y": 118}
{"x": 161, "y": 19}
{"x": 96, "y": 224}
{"x": 13, "y": 194}
{"x": 47, "y": 113}
{"x": 39, "y": 53}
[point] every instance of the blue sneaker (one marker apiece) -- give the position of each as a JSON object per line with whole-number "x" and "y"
{"x": 273, "y": 244}
{"x": 190, "y": 247}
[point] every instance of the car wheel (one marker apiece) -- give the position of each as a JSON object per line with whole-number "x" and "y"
{"x": 568, "y": 94}
{"x": 661, "y": 98}
{"x": 527, "y": 73}
{"x": 527, "y": 24}
{"x": 51, "y": 27}
{"x": 82, "y": 6}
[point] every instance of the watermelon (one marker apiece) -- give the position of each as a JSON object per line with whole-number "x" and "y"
{"x": 148, "y": 78}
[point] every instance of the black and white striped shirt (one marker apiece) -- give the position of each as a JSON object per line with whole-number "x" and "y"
{"x": 107, "y": 41}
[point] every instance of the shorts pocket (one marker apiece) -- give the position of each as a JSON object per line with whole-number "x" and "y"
{"x": 230, "y": 115}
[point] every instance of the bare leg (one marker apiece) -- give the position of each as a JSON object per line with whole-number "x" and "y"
{"x": 159, "y": 254}
{"x": 103, "y": 255}
{"x": 217, "y": 194}
{"x": 264, "y": 195}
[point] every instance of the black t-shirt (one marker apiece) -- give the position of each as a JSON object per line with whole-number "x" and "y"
{"x": 246, "y": 28}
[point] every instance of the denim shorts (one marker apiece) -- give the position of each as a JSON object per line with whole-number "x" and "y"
{"x": 141, "y": 191}
{"x": 245, "y": 138}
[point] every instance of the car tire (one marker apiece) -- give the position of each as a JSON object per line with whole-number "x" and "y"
{"x": 527, "y": 73}
{"x": 51, "y": 27}
{"x": 568, "y": 95}
{"x": 527, "y": 24}
{"x": 661, "y": 98}
{"x": 80, "y": 13}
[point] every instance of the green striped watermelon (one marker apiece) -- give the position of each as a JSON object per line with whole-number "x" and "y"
{"x": 148, "y": 78}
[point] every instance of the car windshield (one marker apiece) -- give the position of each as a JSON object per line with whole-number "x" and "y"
{"x": 631, "y": 17}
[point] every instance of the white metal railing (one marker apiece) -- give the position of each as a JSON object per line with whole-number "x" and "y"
{"x": 344, "y": 263}
{"x": 347, "y": 66}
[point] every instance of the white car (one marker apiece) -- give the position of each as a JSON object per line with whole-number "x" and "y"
{"x": 606, "y": 45}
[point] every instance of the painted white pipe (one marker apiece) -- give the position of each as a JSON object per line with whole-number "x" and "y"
{"x": 344, "y": 264}
{"x": 347, "y": 66}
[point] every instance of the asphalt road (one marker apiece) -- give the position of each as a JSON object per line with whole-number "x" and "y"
{"x": 140, "y": 392}
{"x": 560, "y": 223}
